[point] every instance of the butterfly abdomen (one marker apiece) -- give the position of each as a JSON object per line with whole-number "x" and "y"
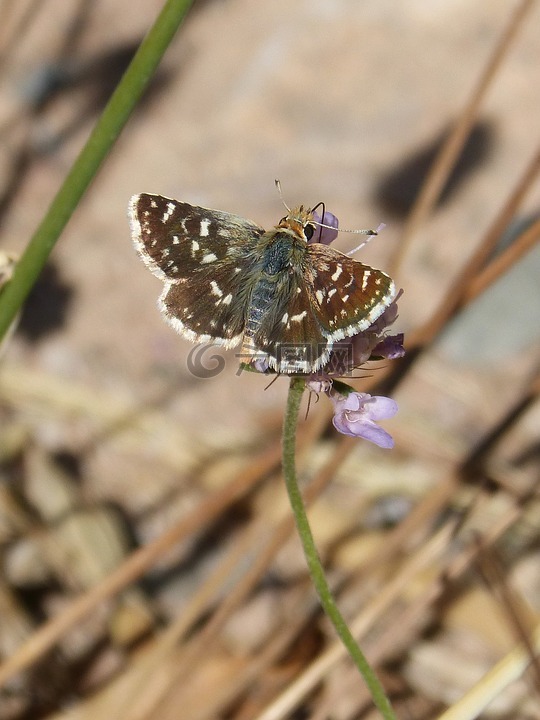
{"x": 261, "y": 299}
{"x": 276, "y": 258}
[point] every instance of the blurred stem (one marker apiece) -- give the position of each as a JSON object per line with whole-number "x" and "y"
{"x": 316, "y": 571}
{"x": 101, "y": 140}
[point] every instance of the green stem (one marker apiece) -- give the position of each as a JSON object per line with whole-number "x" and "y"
{"x": 101, "y": 140}
{"x": 316, "y": 571}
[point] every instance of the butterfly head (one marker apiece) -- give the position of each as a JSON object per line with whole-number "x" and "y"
{"x": 300, "y": 221}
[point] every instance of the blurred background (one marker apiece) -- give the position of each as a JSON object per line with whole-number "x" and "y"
{"x": 108, "y": 439}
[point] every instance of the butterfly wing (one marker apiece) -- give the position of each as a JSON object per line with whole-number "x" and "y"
{"x": 346, "y": 295}
{"x": 203, "y": 257}
{"x": 328, "y": 298}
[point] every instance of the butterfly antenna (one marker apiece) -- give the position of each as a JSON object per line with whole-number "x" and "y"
{"x": 323, "y": 207}
{"x": 278, "y": 186}
{"x": 371, "y": 233}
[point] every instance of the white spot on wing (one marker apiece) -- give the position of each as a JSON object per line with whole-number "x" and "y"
{"x": 337, "y": 273}
{"x": 168, "y": 212}
{"x": 299, "y": 317}
{"x": 216, "y": 290}
{"x": 365, "y": 281}
{"x": 205, "y": 224}
{"x": 208, "y": 258}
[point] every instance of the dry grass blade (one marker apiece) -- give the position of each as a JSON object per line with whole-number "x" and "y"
{"x": 509, "y": 669}
{"x": 454, "y": 144}
{"x": 477, "y": 457}
{"x": 135, "y": 566}
{"x": 458, "y": 293}
{"x": 252, "y": 575}
{"x": 20, "y": 26}
{"x": 503, "y": 262}
{"x": 520, "y": 617}
{"x": 312, "y": 676}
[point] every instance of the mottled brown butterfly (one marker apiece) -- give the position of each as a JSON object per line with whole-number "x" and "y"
{"x": 283, "y": 297}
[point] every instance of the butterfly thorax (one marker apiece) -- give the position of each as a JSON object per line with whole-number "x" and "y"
{"x": 281, "y": 253}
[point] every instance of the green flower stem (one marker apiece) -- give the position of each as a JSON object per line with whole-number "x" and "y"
{"x": 101, "y": 140}
{"x": 316, "y": 571}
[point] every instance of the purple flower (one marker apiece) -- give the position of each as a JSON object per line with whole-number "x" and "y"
{"x": 325, "y": 235}
{"x": 391, "y": 347}
{"x": 357, "y": 415}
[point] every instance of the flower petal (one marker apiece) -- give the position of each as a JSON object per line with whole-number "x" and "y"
{"x": 325, "y": 235}
{"x": 382, "y": 408}
{"x": 356, "y": 414}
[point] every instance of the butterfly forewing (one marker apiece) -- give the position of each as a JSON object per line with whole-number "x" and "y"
{"x": 202, "y": 256}
{"x": 176, "y": 239}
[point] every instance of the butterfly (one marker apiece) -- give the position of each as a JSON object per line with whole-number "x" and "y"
{"x": 284, "y": 298}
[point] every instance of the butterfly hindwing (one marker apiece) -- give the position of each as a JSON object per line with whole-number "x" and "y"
{"x": 332, "y": 297}
{"x": 346, "y": 295}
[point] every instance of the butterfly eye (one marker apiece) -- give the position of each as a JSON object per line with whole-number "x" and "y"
{"x": 308, "y": 231}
